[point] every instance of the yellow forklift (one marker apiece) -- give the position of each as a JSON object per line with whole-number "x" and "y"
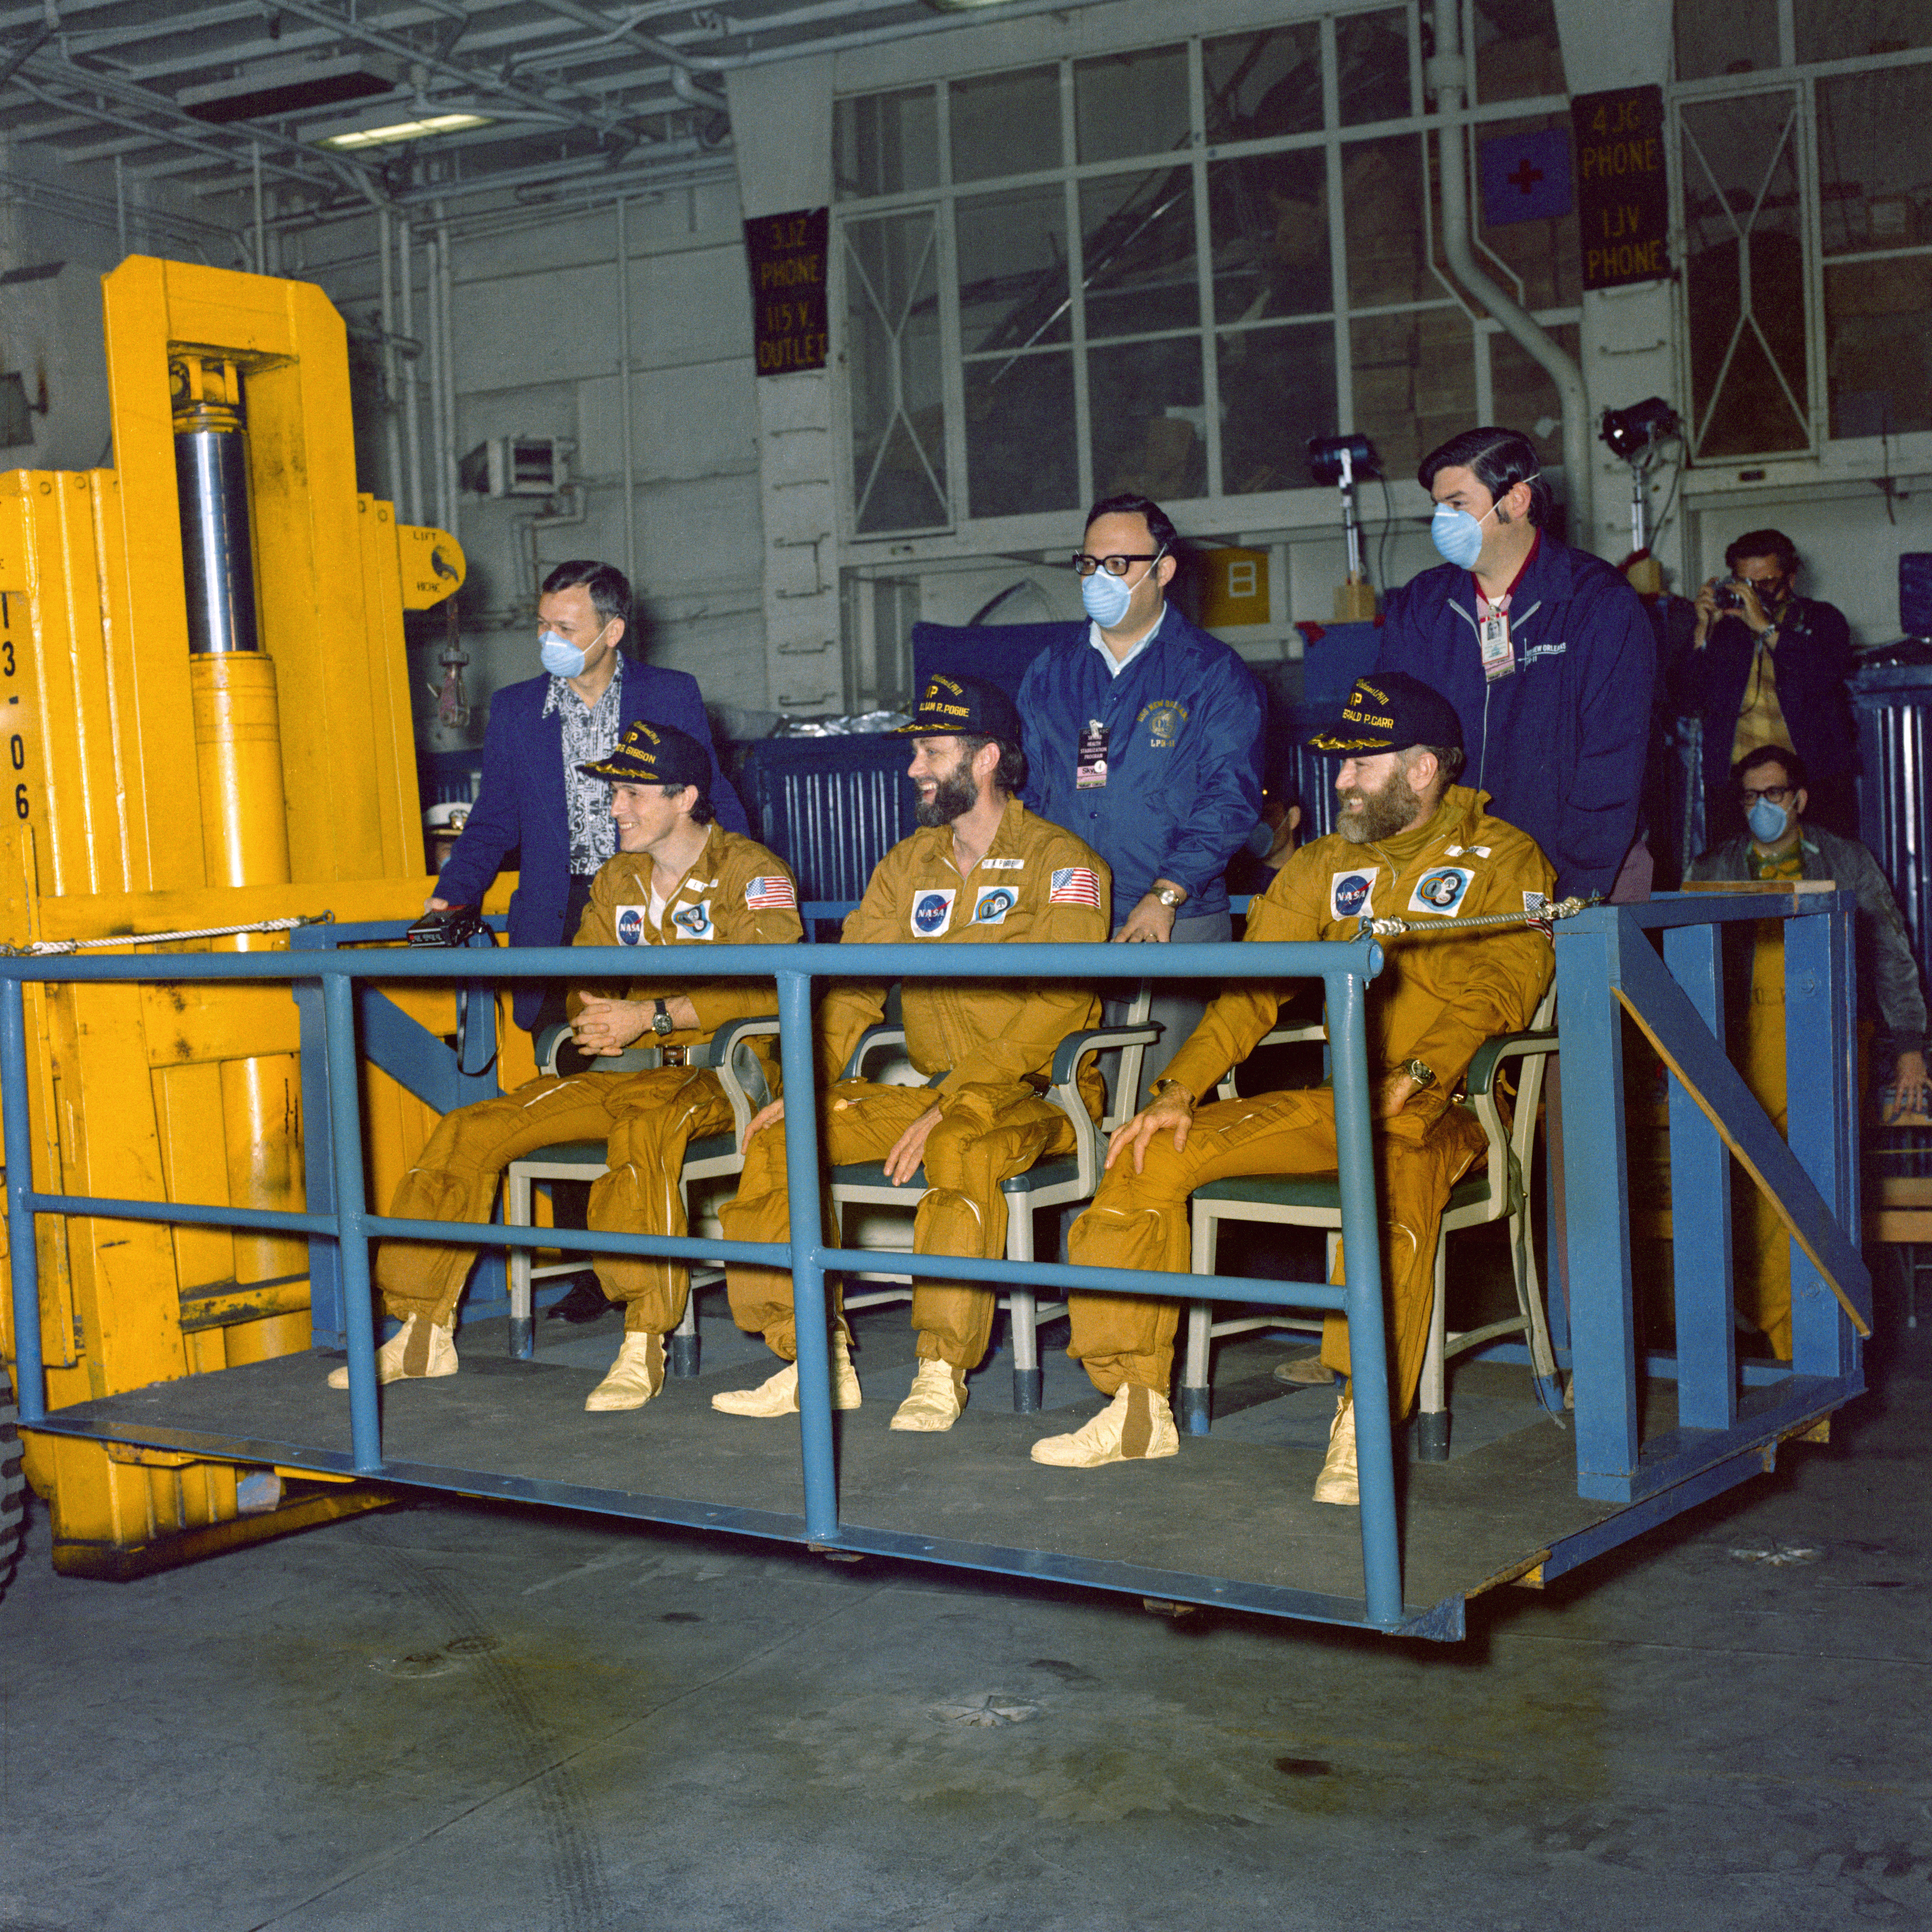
{"x": 208, "y": 727}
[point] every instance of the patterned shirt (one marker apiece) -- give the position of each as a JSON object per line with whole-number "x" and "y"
{"x": 590, "y": 732}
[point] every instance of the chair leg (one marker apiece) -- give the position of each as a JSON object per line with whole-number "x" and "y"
{"x": 517, "y": 1214}
{"x": 1022, "y": 1320}
{"x": 686, "y": 1347}
{"x": 1529, "y": 1301}
{"x": 1193, "y": 1403}
{"x": 686, "y": 1344}
{"x": 1432, "y": 1428}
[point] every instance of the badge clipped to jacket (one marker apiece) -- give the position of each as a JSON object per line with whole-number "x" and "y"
{"x": 1089, "y": 757}
{"x": 1493, "y": 643}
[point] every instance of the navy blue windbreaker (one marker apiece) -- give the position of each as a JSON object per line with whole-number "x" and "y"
{"x": 1183, "y": 787}
{"x": 1559, "y": 745}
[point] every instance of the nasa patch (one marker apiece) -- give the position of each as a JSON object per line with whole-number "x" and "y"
{"x": 932, "y": 911}
{"x": 993, "y": 905}
{"x": 693, "y": 922}
{"x": 1348, "y": 893}
{"x": 631, "y": 926}
{"x": 1440, "y": 889}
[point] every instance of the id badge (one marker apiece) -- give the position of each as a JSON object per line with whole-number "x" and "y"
{"x": 1492, "y": 642}
{"x": 1090, "y": 764}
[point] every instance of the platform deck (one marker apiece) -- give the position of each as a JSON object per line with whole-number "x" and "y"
{"x": 1228, "y": 1520}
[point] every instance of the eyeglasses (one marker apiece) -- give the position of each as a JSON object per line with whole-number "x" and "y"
{"x": 1777, "y": 794}
{"x": 1114, "y": 566}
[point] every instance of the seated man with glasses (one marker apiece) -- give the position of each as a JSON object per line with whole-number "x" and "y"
{"x": 1143, "y": 736}
{"x": 1780, "y": 844}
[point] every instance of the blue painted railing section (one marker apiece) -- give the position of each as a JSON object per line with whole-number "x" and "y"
{"x": 331, "y": 977}
{"x": 1606, "y": 964}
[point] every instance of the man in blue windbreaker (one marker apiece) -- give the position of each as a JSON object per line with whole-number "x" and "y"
{"x": 535, "y": 801}
{"x": 1143, "y": 736}
{"x": 1545, "y": 652}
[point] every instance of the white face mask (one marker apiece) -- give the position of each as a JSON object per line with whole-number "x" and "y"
{"x": 561, "y": 658}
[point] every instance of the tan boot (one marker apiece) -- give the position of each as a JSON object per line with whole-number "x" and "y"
{"x": 1304, "y": 1372}
{"x": 778, "y": 1395}
{"x": 846, "y": 1392}
{"x": 937, "y": 1400}
{"x": 419, "y": 1349}
{"x": 1136, "y": 1426}
{"x": 1336, "y": 1482}
{"x": 635, "y": 1376}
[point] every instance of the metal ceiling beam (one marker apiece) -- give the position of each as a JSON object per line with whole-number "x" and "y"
{"x": 162, "y": 136}
{"x": 484, "y": 83}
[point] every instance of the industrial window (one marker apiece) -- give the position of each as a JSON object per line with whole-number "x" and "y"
{"x": 1806, "y": 280}
{"x": 1164, "y": 268}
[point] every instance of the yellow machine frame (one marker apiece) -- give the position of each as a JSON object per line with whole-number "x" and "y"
{"x": 156, "y": 787}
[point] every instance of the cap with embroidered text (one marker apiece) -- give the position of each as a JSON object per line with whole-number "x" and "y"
{"x": 1389, "y": 711}
{"x": 970, "y": 707}
{"x": 650, "y": 753}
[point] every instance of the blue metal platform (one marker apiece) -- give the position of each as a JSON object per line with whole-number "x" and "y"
{"x": 1226, "y": 1521}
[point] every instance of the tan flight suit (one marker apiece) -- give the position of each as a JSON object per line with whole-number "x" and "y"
{"x": 735, "y": 893}
{"x": 1437, "y": 999}
{"x": 993, "y": 1041}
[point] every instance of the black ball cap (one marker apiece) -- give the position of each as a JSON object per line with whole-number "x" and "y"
{"x": 650, "y": 753}
{"x": 1389, "y": 711}
{"x": 958, "y": 706}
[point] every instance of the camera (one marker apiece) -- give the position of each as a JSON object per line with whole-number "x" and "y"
{"x": 456, "y": 925}
{"x": 1730, "y": 598}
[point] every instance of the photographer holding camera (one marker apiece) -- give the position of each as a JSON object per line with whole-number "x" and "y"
{"x": 1766, "y": 667}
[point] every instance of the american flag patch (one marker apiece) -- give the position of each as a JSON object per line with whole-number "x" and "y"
{"x": 1075, "y": 885}
{"x": 774, "y": 892}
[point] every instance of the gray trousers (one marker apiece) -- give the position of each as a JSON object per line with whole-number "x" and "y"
{"x": 1178, "y": 1004}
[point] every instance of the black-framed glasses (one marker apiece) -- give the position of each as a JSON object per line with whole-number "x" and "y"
{"x": 1114, "y": 566}
{"x": 1777, "y": 794}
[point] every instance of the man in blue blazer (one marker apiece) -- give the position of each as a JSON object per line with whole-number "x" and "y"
{"x": 534, "y": 800}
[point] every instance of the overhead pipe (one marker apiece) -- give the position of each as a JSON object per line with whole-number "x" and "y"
{"x": 433, "y": 329}
{"x": 385, "y": 224}
{"x": 444, "y": 296}
{"x": 624, "y": 389}
{"x": 1447, "y": 75}
{"x": 411, "y": 431}
{"x": 675, "y": 56}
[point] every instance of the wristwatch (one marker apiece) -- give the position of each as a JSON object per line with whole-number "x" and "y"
{"x": 661, "y": 1021}
{"x": 1161, "y": 1088}
{"x": 1170, "y": 896}
{"x": 1420, "y": 1072}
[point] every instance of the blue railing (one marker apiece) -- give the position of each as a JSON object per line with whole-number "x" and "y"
{"x": 329, "y": 978}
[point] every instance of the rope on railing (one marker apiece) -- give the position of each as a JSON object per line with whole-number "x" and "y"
{"x": 1394, "y": 928}
{"x": 42, "y": 948}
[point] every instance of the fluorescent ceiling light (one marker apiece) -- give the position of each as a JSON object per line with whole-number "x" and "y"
{"x": 387, "y": 132}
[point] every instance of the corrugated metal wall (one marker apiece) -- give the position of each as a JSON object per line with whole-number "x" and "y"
{"x": 1893, "y": 706}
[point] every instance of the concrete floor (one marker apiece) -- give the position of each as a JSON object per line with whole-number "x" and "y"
{"x": 471, "y": 1717}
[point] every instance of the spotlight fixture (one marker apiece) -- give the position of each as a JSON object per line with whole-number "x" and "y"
{"x": 1633, "y": 434}
{"x": 1342, "y": 460}
{"x": 1630, "y": 432}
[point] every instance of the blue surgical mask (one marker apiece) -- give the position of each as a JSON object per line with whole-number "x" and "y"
{"x": 1106, "y": 598}
{"x": 561, "y": 658}
{"x": 1767, "y": 821}
{"x": 1458, "y": 536}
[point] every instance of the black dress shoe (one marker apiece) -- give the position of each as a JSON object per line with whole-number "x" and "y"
{"x": 584, "y": 1302}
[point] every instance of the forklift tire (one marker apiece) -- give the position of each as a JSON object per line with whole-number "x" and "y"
{"x": 13, "y": 1491}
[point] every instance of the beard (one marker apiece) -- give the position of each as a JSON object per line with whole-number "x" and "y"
{"x": 952, "y": 796}
{"x": 1393, "y": 808}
